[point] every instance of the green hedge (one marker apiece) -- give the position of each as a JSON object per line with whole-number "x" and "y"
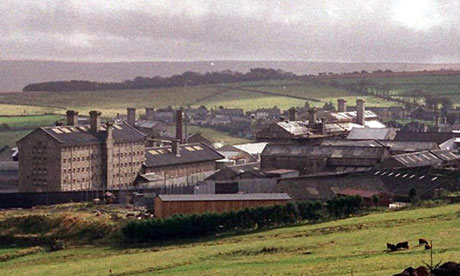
{"x": 196, "y": 225}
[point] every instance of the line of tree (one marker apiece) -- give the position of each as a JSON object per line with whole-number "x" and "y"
{"x": 196, "y": 225}
{"x": 185, "y": 79}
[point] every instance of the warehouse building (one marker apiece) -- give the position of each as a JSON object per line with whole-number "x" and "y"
{"x": 169, "y": 205}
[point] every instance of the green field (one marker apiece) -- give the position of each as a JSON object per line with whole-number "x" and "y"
{"x": 30, "y": 122}
{"x": 433, "y": 85}
{"x": 332, "y": 248}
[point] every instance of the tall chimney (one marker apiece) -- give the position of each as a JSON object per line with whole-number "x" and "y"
{"x": 292, "y": 114}
{"x": 179, "y": 117}
{"x": 360, "y": 111}
{"x": 175, "y": 147}
{"x": 149, "y": 113}
{"x": 95, "y": 121}
{"x": 131, "y": 116}
{"x": 108, "y": 156}
{"x": 72, "y": 117}
{"x": 312, "y": 117}
{"x": 341, "y": 105}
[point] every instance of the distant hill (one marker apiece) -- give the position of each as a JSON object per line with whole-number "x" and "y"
{"x": 14, "y": 75}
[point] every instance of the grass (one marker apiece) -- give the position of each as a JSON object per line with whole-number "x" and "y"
{"x": 9, "y": 138}
{"x": 30, "y": 122}
{"x": 25, "y": 107}
{"x": 331, "y": 248}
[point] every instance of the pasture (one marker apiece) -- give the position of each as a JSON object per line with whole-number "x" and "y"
{"x": 338, "y": 247}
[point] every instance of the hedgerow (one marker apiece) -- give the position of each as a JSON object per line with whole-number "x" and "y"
{"x": 197, "y": 225}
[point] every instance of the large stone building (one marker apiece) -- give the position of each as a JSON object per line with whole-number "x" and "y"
{"x": 80, "y": 157}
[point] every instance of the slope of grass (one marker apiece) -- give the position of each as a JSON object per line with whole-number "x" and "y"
{"x": 30, "y": 122}
{"x": 24, "y": 107}
{"x": 331, "y": 248}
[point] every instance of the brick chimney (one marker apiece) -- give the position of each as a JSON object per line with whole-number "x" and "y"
{"x": 360, "y": 111}
{"x": 131, "y": 116}
{"x": 72, "y": 117}
{"x": 292, "y": 114}
{"x": 149, "y": 113}
{"x": 175, "y": 147}
{"x": 179, "y": 119}
{"x": 108, "y": 155}
{"x": 341, "y": 105}
{"x": 95, "y": 121}
{"x": 312, "y": 117}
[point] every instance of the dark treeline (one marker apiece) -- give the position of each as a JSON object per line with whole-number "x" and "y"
{"x": 185, "y": 79}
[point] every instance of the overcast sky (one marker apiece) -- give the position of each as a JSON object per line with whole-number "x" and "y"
{"x": 167, "y": 30}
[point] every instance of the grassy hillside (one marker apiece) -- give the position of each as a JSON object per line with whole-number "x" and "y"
{"x": 331, "y": 248}
{"x": 434, "y": 85}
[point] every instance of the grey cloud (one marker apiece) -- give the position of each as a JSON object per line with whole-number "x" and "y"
{"x": 301, "y": 30}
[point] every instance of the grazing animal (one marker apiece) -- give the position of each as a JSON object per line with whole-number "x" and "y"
{"x": 427, "y": 247}
{"x": 402, "y": 245}
{"x": 422, "y": 241}
{"x": 391, "y": 247}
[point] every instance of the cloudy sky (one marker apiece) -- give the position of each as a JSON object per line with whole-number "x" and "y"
{"x": 168, "y": 30}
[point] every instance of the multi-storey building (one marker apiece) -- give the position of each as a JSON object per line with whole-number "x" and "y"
{"x": 80, "y": 157}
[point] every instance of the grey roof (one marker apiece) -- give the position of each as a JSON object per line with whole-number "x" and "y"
{"x": 437, "y": 137}
{"x": 401, "y": 146}
{"x": 8, "y": 165}
{"x": 327, "y": 186}
{"x": 422, "y": 159}
{"x": 358, "y": 152}
{"x": 147, "y": 123}
{"x": 78, "y": 135}
{"x": 225, "y": 197}
{"x": 410, "y": 146}
{"x": 150, "y": 177}
{"x": 370, "y": 133}
{"x": 189, "y": 153}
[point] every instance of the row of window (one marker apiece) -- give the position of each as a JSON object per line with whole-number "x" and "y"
{"x": 39, "y": 182}
{"x": 39, "y": 171}
{"x": 126, "y": 164}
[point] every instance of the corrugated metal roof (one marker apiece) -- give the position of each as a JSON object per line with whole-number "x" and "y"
{"x": 358, "y": 152}
{"x": 437, "y": 137}
{"x": 189, "y": 153}
{"x": 370, "y": 133}
{"x": 225, "y": 197}
{"x": 425, "y": 158}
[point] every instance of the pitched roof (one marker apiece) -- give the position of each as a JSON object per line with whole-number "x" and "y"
{"x": 327, "y": 186}
{"x": 189, "y": 153}
{"x": 79, "y": 135}
{"x": 422, "y": 159}
{"x": 308, "y": 151}
{"x": 225, "y": 197}
{"x": 371, "y": 133}
{"x": 437, "y": 137}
